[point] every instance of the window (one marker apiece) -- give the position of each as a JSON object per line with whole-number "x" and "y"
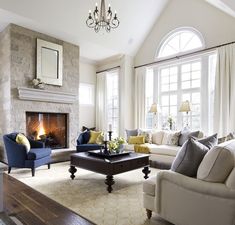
{"x": 180, "y": 41}
{"x": 86, "y": 94}
{"x": 178, "y": 80}
{"x": 113, "y": 101}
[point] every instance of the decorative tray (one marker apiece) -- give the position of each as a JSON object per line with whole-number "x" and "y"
{"x": 100, "y": 154}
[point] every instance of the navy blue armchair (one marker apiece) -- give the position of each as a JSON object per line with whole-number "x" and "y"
{"x": 82, "y": 143}
{"x": 18, "y": 156}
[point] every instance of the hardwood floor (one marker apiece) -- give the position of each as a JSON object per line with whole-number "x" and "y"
{"x": 33, "y": 208}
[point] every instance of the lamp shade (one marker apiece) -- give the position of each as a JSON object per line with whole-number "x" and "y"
{"x": 185, "y": 106}
{"x": 154, "y": 108}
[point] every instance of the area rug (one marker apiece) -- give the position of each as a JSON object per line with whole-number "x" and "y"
{"x": 87, "y": 195}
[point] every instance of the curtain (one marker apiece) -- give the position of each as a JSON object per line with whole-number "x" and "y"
{"x": 139, "y": 112}
{"x": 101, "y": 101}
{"x": 224, "y": 98}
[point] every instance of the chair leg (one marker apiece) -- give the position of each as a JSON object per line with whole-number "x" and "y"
{"x": 49, "y": 166}
{"x": 9, "y": 169}
{"x": 33, "y": 171}
{"x": 149, "y": 213}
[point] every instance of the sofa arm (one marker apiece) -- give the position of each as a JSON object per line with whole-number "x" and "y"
{"x": 16, "y": 153}
{"x": 195, "y": 185}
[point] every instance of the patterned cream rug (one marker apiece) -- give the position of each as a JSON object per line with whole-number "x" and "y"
{"x": 87, "y": 195}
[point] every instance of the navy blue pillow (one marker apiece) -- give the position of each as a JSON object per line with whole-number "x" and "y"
{"x": 12, "y": 136}
{"x": 86, "y": 137}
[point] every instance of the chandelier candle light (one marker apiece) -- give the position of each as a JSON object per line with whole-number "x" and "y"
{"x": 102, "y": 19}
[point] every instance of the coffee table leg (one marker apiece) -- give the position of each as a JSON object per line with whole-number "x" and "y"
{"x": 146, "y": 171}
{"x": 72, "y": 170}
{"x": 109, "y": 181}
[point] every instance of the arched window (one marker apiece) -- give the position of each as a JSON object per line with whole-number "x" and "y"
{"x": 180, "y": 41}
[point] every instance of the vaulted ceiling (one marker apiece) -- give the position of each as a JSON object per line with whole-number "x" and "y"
{"x": 65, "y": 19}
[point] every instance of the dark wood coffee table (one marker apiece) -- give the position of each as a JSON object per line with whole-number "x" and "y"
{"x": 109, "y": 167}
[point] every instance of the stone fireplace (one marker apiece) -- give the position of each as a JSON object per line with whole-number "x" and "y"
{"x": 19, "y": 98}
{"x": 50, "y": 128}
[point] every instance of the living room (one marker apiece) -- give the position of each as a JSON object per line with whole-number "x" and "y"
{"x": 117, "y": 114}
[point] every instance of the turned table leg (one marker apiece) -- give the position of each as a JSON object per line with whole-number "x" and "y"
{"x": 72, "y": 170}
{"x": 109, "y": 181}
{"x": 146, "y": 171}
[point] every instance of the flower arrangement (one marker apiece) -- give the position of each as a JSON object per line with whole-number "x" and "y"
{"x": 170, "y": 121}
{"x": 116, "y": 144}
{"x": 37, "y": 83}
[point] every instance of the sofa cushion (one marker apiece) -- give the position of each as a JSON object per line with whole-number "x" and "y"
{"x": 149, "y": 186}
{"x": 21, "y": 139}
{"x": 210, "y": 141}
{"x": 84, "y": 128}
{"x": 217, "y": 163}
{"x": 157, "y": 137}
{"x": 170, "y": 138}
{"x": 147, "y": 134}
{"x": 85, "y": 137}
{"x": 93, "y": 136}
{"x": 136, "y": 140}
{"x": 131, "y": 133}
{"x": 38, "y": 153}
{"x": 189, "y": 158}
{"x": 185, "y": 135}
{"x": 164, "y": 149}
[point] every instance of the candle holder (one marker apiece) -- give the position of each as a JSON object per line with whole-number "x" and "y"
{"x": 106, "y": 151}
{"x": 110, "y": 135}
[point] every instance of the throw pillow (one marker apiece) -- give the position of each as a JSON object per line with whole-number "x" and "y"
{"x": 86, "y": 136}
{"x": 131, "y": 133}
{"x": 173, "y": 139}
{"x": 147, "y": 135}
{"x": 157, "y": 137}
{"x": 210, "y": 141}
{"x": 134, "y": 140}
{"x": 189, "y": 158}
{"x": 93, "y": 137}
{"x": 185, "y": 135}
{"x": 21, "y": 139}
{"x": 217, "y": 163}
{"x": 87, "y": 129}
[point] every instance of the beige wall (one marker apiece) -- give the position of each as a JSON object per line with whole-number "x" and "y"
{"x": 215, "y": 26}
{"x": 87, "y": 112}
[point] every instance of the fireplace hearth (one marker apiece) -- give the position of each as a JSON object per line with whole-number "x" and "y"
{"x": 51, "y": 128}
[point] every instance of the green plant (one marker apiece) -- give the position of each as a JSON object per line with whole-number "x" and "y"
{"x": 116, "y": 143}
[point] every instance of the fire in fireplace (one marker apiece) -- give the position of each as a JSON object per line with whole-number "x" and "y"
{"x": 51, "y": 128}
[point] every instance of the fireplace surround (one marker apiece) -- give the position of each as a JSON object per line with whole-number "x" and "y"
{"x": 51, "y": 128}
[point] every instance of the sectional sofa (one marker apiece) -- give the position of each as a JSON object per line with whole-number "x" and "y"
{"x": 162, "y": 151}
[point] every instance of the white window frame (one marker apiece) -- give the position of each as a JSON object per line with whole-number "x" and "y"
{"x": 171, "y": 35}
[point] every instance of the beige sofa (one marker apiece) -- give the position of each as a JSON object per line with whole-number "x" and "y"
{"x": 205, "y": 200}
{"x": 161, "y": 154}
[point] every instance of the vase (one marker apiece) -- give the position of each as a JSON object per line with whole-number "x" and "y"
{"x": 120, "y": 148}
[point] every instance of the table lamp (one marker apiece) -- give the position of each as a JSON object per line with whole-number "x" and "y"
{"x": 185, "y": 107}
{"x": 154, "y": 110}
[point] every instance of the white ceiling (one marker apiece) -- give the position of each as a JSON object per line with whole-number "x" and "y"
{"x": 65, "y": 19}
{"x": 227, "y": 6}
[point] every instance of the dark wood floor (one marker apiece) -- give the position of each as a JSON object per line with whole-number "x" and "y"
{"x": 33, "y": 208}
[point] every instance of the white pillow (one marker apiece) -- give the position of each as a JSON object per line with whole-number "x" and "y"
{"x": 217, "y": 163}
{"x": 157, "y": 137}
{"x": 171, "y": 138}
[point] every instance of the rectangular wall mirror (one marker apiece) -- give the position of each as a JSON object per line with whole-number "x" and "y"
{"x": 49, "y": 62}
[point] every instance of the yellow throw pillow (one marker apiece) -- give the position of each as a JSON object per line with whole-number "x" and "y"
{"x": 136, "y": 140}
{"x": 21, "y": 139}
{"x": 142, "y": 149}
{"x": 93, "y": 137}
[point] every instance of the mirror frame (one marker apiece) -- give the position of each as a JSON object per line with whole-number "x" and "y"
{"x": 58, "y": 77}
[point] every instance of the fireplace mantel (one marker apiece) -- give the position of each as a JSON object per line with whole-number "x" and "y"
{"x": 33, "y": 94}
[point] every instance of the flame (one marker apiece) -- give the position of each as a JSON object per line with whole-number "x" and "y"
{"x": 41, "y": 131}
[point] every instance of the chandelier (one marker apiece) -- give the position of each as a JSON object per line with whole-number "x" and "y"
{"x": 102, "y": 19}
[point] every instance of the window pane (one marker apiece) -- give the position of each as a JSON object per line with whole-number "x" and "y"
{"x": 196, "y": 75}
{"x": 186, "y": 85}
{"x": 195, "y": 98}
{"x": 173, "y": 87}
{"x": 196, "y": 66}
{"x": 165, "y": 100}
{"x": 173, "y": 100}
{"x": 185, "y": 68}
{"x": 165, "y": 87}
{"x": 173, "y": 79}
{"x": 195, "y": 83}
{"x": 185, "y": 76}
